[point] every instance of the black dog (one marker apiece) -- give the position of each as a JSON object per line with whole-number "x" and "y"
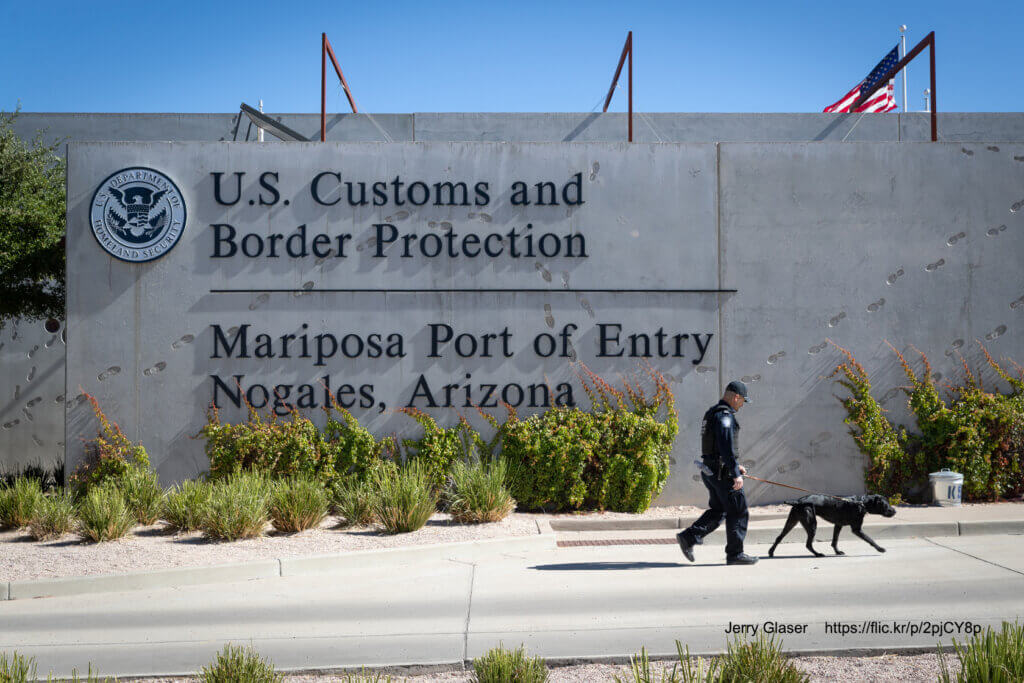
{"x": 840, "y": 511}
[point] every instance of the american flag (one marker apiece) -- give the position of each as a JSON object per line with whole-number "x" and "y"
{"x": 882, "y": 100}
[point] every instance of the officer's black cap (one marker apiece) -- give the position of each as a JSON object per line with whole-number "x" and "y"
{"x": 738, "y": 387}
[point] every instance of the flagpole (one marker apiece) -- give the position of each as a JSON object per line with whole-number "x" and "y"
{"x": 903, "y": 53}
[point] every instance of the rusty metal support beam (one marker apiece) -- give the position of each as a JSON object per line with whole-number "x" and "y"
{"x": 627, "y": 51}
{"x": 327, "y": 51}
{"x": 928, "y": 41}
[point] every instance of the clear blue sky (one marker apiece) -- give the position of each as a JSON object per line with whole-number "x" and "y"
{"x": 399, "y": 56}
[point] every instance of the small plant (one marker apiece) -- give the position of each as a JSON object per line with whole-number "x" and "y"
{"x": 298, "y": 503}
{"x": 499, "y": 665}
{"x": 238, "y": 507}
{"x": 17, "y": 669}
{"x": 18, "y": 503}
{"x": 54, "y": 517}
{"x": 478, "y": 492}
{"x": 90, "y": 677}
{"x": 143, "y": 494}
{"x": 440, "y": 447}
{"x": 239, "y": 665}
{"x": 353, "y": 501}
{"x": 405, "y": 499}
{"x": 991, "y": 656}
{"x": 103, "y": 514}
{"x": 641, "y": 671}
{"x": 185, "y": 505}
{"x": 758, "y": 660}
{"x": 109, "y": 457}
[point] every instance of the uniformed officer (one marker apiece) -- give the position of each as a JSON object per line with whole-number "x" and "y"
{"x": 719, "y": 451}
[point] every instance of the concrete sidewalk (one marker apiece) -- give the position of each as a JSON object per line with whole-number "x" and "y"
{"x": 910, "y": 522}
{"x": 586, "y": 604}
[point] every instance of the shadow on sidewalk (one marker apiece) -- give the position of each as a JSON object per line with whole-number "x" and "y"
{"x": 603, "y": 566}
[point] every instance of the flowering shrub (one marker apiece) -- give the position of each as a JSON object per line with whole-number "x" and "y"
{"x": 111, "y": 456}
{"x": 440, "y": 447}
{"x": 976, "y": 432}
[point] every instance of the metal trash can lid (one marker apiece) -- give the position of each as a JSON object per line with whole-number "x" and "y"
{"x": 945, "y": 473}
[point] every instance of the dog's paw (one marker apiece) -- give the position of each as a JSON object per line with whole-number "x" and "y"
{"x": 840, "y": 552}
{"x": 881, "y": 550}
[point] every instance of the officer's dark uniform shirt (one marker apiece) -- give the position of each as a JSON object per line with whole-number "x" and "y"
{"x": 719, "y": 441}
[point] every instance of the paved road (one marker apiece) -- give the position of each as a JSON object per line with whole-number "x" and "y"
{"x": 564, "y": 603}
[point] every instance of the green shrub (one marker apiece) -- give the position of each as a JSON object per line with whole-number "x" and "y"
{"x": 272, "y": 446}
{"x": 298, "y": 503}
{"x": 993, "y": 657}
{"x": 353, "y": 501}
{"x": 353, "y": 449}
{"x": 103, "y": 514}
{"x": 54, "y": 517}
{"x": 613, "y": 456}
{"x": 238, "y": 507}
{"x": 499, "y": 665}
{"x": 18, "y": 503}
{"x": 90, "y": 677}
{"x": 440, "y": 447}
{"x": 239, "y": 665}
{"x": 111, "y": 456}
{"x": 185, "y": 505}
{"x": 17, "y": 669}
{"x": 759, "y": 660}
{"x": 478, "y": 492}
{"x": 405, "y": 499}
{"x": 143, "y": 494}
{"x": 976, "y": 432}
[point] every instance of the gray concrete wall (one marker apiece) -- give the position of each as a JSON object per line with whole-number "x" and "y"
{"x": 541, "y": 127}
{"x": 795, "y": 192}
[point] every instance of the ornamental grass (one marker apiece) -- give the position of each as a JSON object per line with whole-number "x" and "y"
{"x": 298, "y": 503}
{"x": 185, "y": 505}
{"x": 103, "y": 514}
{"x": 239, "y": 507}
{"x": 54, "y": 517}
{"x": 405, "y": 499}
{"x": 478, "y": 492}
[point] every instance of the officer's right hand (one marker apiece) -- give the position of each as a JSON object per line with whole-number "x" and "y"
{"x": 737, "y": 483}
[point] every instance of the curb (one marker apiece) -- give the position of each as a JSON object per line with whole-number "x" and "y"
{"x": 991, "y": 526}
{"x": 465, "y": 551}
{"x": 642, "y": 524}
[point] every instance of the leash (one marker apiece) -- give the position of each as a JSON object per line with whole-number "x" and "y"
{"x": 797, "y": 488}
{"x": 707, "y": 470}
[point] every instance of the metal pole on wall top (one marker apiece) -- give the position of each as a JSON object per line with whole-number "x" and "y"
{"x": 903, "y": 53}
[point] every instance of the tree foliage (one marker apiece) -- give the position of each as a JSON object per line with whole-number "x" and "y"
{"x": 32, "y": 221}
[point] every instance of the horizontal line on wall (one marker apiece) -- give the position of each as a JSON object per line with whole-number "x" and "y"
{"x": 475, "y": 290}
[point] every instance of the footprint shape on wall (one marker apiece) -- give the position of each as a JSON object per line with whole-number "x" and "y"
{"x": 874, "y": 307}
{"x": 260, "y": 300}
{"x": 750, "y": 378}
{"x": 109, "y": 372}
{"x": 544, "y": 272}
{"x": 932, "y": 267}
{"x": 397, "y": 216}
{"x": 774, "y": 358}
{"x": 893, "y": 277}
{"x": 817, "y": 348}
{"x": 159, "y": 367}
{"x": 594, "y": 168}
{"x": 836, "y": 319}
{"x": 187, "y": 339}
{"x": 704, "y": 369}
{"x": 996, "y": 333}
{"x": 955, "y": 238}
{"x": 549, "y": 319}
{"x": 992, "y": 232}
{"x": 1017, "y": 304}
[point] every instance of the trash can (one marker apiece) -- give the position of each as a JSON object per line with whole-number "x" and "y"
{"x": 946, "y": 487}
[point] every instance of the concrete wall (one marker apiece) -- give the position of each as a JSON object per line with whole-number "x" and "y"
{"x": 917, "y": 244}
{"x": 542, "y": 127}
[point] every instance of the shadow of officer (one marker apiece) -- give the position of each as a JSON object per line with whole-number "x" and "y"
{"x": 723, "y": 476}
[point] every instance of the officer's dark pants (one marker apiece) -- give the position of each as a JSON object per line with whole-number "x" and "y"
{"x": 725, "y": 503}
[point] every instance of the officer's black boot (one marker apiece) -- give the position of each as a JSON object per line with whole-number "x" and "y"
{"x": 742, "y": 558}
{"x": 685, "y": 546}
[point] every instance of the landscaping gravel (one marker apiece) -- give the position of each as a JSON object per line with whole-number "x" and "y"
{"x": 879, "y": 669}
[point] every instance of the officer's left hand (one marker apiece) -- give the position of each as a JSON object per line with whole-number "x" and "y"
{"x": 743, "y": 470}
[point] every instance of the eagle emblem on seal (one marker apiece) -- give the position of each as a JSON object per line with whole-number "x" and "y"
{"x": 137, "y": 214}
{"x": 131, "y": 220}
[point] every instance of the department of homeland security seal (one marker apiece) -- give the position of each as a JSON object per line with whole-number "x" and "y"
{"x": 137, "y": 214}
